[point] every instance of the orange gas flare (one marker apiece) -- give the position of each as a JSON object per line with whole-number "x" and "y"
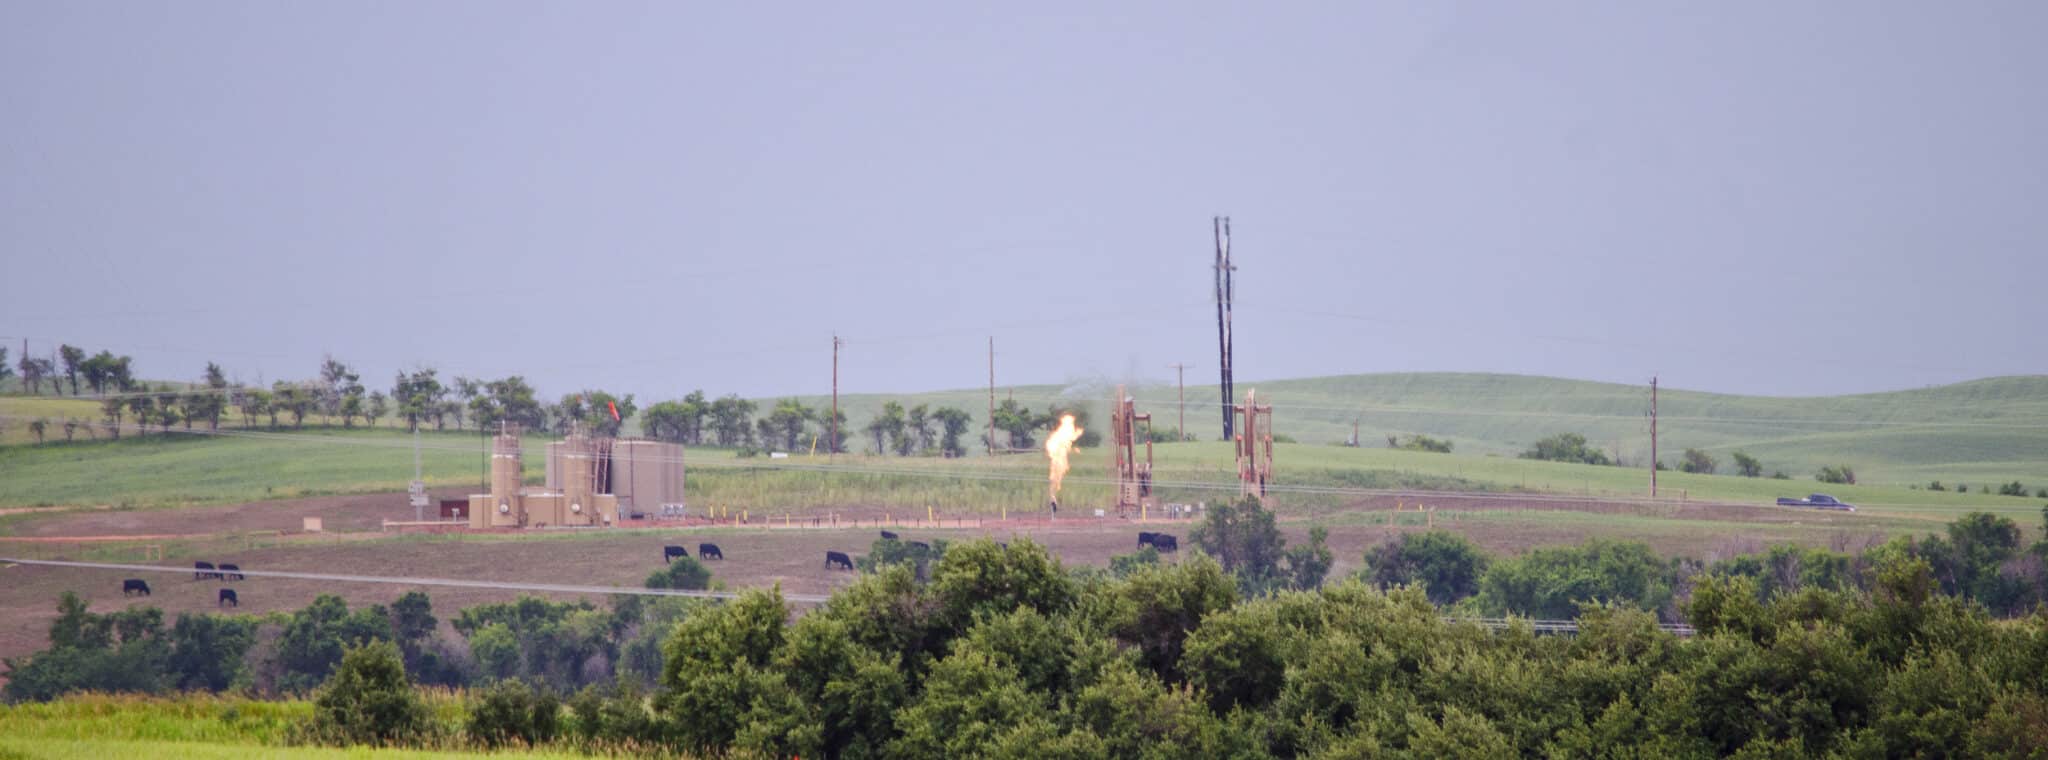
{"x": 1056, "y": 447}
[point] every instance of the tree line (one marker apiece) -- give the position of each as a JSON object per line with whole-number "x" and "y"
{"x": 1241, "y": 649}
{"x": 421, "y": 397}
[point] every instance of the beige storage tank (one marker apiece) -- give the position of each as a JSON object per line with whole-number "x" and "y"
{"x": 646, "y": 474}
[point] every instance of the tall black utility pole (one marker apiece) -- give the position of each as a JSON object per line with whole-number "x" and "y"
{"x": 1221, "y": 227}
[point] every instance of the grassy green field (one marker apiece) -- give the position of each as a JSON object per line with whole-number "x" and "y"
{"x": 176, "y": 470}
{"x": 1991, "y": 430}
{"x": 96, "y": 727}
{"x": 1981, "y": 432}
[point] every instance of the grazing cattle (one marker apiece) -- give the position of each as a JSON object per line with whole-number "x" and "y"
{"x": 203, "y": 571}
{"x": 1164, "y": 542}
{"x": 709, "y": 551}
{"x": 838, "y": 559}
{"x": 888, "y": 535}
{"x": 231, "y": 572}
{"x": 227, "y": 598}
{"x": 669, "y": 553}
{"x": 134, "y": 586}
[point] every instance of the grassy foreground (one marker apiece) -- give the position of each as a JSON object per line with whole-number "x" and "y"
{"x": 196, "y": 726}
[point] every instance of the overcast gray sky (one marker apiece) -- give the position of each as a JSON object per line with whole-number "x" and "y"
{"x": 1781, "y": 198}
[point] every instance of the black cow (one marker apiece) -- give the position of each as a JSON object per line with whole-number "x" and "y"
{"x": 889, "y": 536}
{"x": 709, "y": 551}
{"x": 231, "y": 572}
{"x": 1164, "y": 542}
{"x": 134, "y": 586}
{"x": 669, "y": 553}
{"x": 838, "y": 559}
{"x": 227, "y": 598}
{"x": 203, "y": 571}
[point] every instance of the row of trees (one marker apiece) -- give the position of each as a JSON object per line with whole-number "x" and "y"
{"x": 1004, "y": 653}
{"x": 1001, "y": 651}
{"x": 101, "y": 371}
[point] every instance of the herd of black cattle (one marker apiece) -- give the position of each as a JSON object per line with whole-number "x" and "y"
{"x": 1165, "y": 542}
{"x": 201, "y": 571}
{"x": 225, "y": 572}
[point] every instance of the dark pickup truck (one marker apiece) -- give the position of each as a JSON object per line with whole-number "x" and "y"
{"x": 1818, "y": 501}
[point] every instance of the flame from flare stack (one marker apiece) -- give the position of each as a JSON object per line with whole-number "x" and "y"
{"x": 1056, "y": 447}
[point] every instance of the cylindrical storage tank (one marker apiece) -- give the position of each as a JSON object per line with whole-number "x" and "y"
{"x": 506, "y": 469}
{"x": 575, "y": 468}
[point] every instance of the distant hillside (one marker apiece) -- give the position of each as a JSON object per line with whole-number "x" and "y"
{"x": 1978, "y": 431}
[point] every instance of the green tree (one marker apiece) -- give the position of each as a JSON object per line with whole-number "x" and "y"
{"x": 1839, "y": 473}
{"x": 665, "y": 420}
{"x": 417, "y": 395}
{"x": 1017, "y": 423}
{"x": 315, "y": 637}
{"x": 1566, "y": 447}
{"x": 1243, "y": 538}
{"x": 886, "y": 429}
{"x": 952, "y": 424}
{"x": 74, "y": 357}
{"x": 1419, "y": 442}
{"x": 1551, "y": 582}
{"x": 207, "y": 651}
{"x": 1446, "y": 565}
{"x": 788, "y": 421}
{"x": 1699, "y": 462}
{"x": 730, "y": 418}
{"x": 369, "y": 700}
{"x": 981, "y": 576}
{"x": 918, "y": 434}
{"x": 376, "y": 409}
{"x": 683, "y": 573}
{"x": 716, "y": 665}
{"x": 1747, "y": 465}
{"x": 511, "y": 712}
{"x": 496, "y": 650}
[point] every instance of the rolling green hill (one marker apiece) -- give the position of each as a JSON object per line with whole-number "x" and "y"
{"x": 1978, "y": 432}
{"x": 1982, "y": 432}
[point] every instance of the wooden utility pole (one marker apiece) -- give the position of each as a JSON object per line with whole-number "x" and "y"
{"x": 1653, "y": 436}
{"x": 1180, "y": 372}
{"x": 832, "y": 446}
{"x": 991, "y": 395}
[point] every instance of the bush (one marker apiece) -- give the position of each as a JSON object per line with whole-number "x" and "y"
{"x": 1836, "y": 473}
{"x": 1419, "y": 442}
{"x": 1445, "y": 564}
{"x": 2012, "y": 489}
{"x": 1698, "y": 461}
{"x": 368, "y": 700}
{"x": 1552, "y": 582}
{"x": 1566, "y": 447}
{"x": 685, "y": 573}
{"x": 1936, "y": 486}
{"x": 512, "y": 711}
{"x": 1745, "y": 465}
